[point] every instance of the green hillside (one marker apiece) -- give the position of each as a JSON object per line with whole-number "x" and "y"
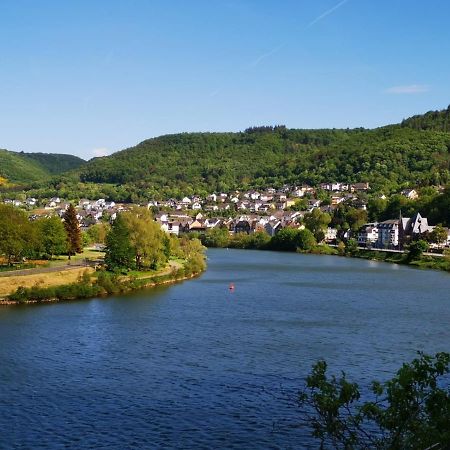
{"x": 55, "y": 163}
{"x": 414, "y": 153}
{"x": 387, "y": 157}
{"x": 432, "y": 120}
{"x": 31, "y": 167}
{"x": 17, "y": 169}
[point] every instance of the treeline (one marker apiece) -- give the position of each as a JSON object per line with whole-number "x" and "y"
{"x": 432, "y": 120}
{"x": 286, "y": 239}
{"x": 431, "y": 204}
{"x": 45, "y": 238}
{"x": 389, "y": 158}
{"x": 136, "y": 248}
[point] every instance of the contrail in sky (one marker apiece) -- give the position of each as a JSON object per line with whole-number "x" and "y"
{"x": 326, "y": 13}
{"x": 310, "y": 24}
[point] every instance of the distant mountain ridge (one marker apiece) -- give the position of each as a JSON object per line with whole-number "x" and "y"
{"x": 23, "y": 167}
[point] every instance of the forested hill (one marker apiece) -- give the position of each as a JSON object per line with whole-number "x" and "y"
{"x": 28, "y": 167}
{"x": 432, "y": 120}
{"x": 55, "y": 163}
{"x": 413, "y": 153}
{"x": 387, "y": 157}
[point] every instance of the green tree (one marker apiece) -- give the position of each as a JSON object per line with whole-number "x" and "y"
{"x": 17, "y": 235}
{"x": 52, "y": 235}
{"x": 119, "y": 253}
{"x": 356, "y": 218}
{"x": 73, "y": 231}
{"x": 410, "y": 411}
{"x": 305, "y": 240}
{"x": 376, "y": 207}
{"x": 416, "y": 248}
{"x": 285, "y": 240}
{"x": 97, "y": 233}
{"x": 216, "y": 237}
{"x": 351, "y": 246}
{"x": 300, "y": 205}
{"x": 146, "y": 238}
{"x": 316, "y": 221}
{"x": 438, "y": 235}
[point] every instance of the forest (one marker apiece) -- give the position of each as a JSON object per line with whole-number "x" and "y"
{"x": 414, "y": 153}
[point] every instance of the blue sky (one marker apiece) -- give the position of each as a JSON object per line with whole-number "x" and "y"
{"x": 93, "y": 77}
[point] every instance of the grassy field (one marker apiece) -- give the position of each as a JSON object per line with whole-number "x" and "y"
{"x": 8, "y": 285}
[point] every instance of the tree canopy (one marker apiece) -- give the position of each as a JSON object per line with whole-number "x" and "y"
{"x": 410, "y": 411}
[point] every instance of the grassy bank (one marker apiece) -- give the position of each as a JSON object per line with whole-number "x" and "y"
{"x": 90, "y": 283}
{"x": 423, "y": 262}
{"x": 47, "y": 280}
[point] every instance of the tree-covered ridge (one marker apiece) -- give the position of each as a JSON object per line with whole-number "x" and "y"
{"x": 387, "y": 157}
{"x": 15, "y": 168}
{"x": 28, "y": 167}
{"x": 432, "y": 120}
{"x": 55, "y": 163}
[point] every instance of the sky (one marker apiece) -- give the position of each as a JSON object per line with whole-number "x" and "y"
{"x": 93, "y": 77}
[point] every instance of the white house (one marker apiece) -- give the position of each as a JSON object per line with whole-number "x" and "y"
{"x": 368, "y": 235}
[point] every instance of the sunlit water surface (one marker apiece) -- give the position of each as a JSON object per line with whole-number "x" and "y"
{"x": 197, "y": 365}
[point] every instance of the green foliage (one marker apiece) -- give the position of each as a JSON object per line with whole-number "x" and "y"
{"x": 52, "y": 236}
{"x": 216, "y": 237}
{"x": 97, "y": 233}
{"x": 15, "y": 168}
{"x": 390, "y": 158}
{"x": 438, "y": 235}
{"x": 431, "y": 204}
{"x": 119, "y": 253}
{"x": 55, "y": 163}
{"x": 27, "y": 167}
{"x": 146, "y": 238}
{"x": 18, "y": 238}
{"x": 305, "y": 240}
{"x": 351, "y": 247}
{"x": 410, "y": 411}
{"x": 432, "y": 120}
{"x": 300, "y": 205}
{"x": 316, "y": 221}
{"x": 292, "y": 239}
{"x": 416, "y": 248}
{"x": 386, "y": 157}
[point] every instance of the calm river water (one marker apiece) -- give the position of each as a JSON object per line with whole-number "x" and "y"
{"x": 196, "y": 365}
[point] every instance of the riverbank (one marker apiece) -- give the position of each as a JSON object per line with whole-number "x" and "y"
{"x": 423, "y": 262}
{"x": 101, "y": 283}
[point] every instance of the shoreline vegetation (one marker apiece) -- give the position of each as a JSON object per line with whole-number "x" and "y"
{"x": 303, "y": 241}
{"x": 137, "y": 254}
{"x": 102, "y": 283}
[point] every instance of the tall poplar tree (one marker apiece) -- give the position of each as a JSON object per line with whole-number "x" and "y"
{"x": 73, "y": 231}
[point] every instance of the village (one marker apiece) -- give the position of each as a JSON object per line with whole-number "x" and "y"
{"x": 268, "y": 210}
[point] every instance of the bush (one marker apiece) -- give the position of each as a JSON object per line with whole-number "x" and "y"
{"x": 410, "y": 411}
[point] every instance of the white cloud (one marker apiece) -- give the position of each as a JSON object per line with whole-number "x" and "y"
{"x": 408, "y": 89}
{"x": 100, "y": 151}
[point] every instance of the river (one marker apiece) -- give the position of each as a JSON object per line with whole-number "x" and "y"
{"x": 197, "y": 365}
